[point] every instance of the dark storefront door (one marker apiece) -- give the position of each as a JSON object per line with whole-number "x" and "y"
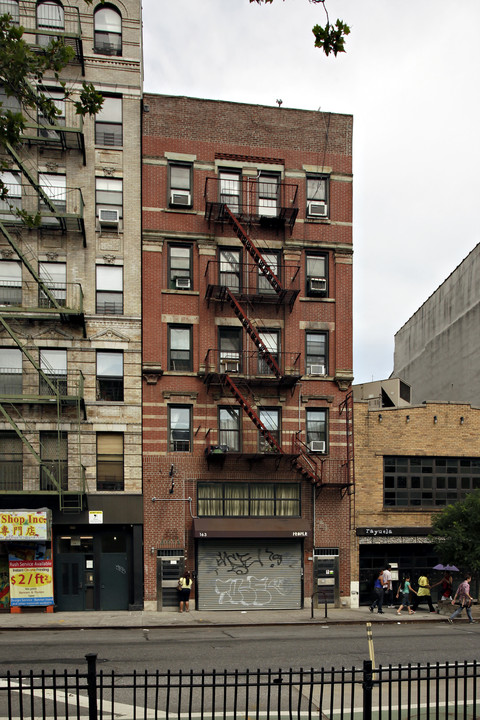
{"x": 70, "y": 589}
{"x": 114, "y": 583}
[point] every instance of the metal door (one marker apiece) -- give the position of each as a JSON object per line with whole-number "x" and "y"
{"x": 169, "y": 570}
{"x": 113, "y": 581}
{"x": 69, "y": 582}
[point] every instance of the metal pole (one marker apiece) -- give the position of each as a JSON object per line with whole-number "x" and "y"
{"x": 367, "y": 689}
{"x": 92, "y": 685}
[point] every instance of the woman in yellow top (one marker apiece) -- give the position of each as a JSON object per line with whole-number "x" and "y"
{"x": 185, "y": 583}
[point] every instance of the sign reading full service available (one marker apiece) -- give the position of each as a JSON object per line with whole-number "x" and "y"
{"x": 31, "y": 525}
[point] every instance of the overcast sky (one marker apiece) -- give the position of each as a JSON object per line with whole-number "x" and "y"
{"x": 410, "y": 77}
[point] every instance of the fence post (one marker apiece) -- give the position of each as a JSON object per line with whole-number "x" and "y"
{"x": 367, "y": 689}
{"x": 92, "y": 685}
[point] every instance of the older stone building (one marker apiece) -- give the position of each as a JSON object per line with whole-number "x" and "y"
{"x": 247, "y": 311}
{"x": 70, "y": 335}
{"x": 410, "y": 462}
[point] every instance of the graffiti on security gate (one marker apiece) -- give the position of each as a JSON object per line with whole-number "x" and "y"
{"x": 241, "y": 563}
{"x": 249, "y": 591}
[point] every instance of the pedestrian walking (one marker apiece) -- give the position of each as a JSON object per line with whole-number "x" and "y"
{"x": 447, "y": 586}
{"x": 378, "y": 591}
{"x": 405, "y": 589}
{"x": 465, "y": 600}
{"x": 423, "y": 593}
{"x": 387, "y": 586}
{"x": 184, "y": 586}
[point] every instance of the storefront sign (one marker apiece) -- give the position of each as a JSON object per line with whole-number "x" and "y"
{"x": 31, "y": 582}
{"x": 389, "y": 531}
{"x": 31, "y": 525}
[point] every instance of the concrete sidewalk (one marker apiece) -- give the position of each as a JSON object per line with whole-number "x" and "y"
{"x": 34, "y": 620}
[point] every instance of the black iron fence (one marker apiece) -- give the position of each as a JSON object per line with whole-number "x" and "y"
{"x": 431, "y": 691}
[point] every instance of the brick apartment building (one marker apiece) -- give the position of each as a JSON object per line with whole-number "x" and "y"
{"x": 247, "y": 353}
{"x": 70, "y": 312}
{"x": 410, "y": 462}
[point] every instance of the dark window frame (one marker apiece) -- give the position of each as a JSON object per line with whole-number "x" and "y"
{"x": 110, "y": 387}
{"x": 110, "y": 48}
{"x": 310, "y": 196}
{"x": 223, "y": 433}
{"x": 174, "y": 271}
{"x": 319, "y": 291}
{"x": 106, "y": 482}
{"x": 186, "y": 361}
{"x": 263, "y": 445}
{"x": 312, "y": 435}
{"x": 250, "y": 500}
{"x": 114, "y": 304}
{"x": 108, "y": 133}
{"x": 179, "y": 189}
{"x": 310, "y": 358}
{"x": 184, "y": 443}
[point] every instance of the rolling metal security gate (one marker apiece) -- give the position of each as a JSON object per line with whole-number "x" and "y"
{"x": 255, "y": 574}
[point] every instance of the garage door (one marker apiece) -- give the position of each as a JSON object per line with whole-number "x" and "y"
{"x": 239, "y": 574}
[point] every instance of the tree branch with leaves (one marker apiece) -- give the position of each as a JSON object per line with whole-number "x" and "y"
{"x": 329, "y": 37}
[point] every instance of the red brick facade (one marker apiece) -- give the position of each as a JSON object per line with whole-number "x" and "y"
{"x": 253, "y": 144}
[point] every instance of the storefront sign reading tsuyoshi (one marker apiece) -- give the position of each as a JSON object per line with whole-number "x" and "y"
{"x": 28, "y": 534}
{"x": 30, "y": 525}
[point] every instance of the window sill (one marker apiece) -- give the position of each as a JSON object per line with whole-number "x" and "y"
{"x": 180, "y": 209}
{"x": 179, "y": 292}
{"x": 318, "y": 221}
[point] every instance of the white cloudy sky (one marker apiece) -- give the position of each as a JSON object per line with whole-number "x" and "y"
{"x": 410, "y": 77}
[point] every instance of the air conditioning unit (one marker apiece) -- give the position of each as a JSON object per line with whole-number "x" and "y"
{"x": 316, "y": 370}
{"x": 317, "y": 446}
{"x": 230, "y": 366}
{"x": 317, "y": 286}
{"x": 108, "y": 217}
{"x": 317, "y": 209}
{"x": 182, "y": 283}
{"x": 180, "y": 197}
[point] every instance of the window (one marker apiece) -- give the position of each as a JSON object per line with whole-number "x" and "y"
{"x": 270, "y": 417}
{"x": 230, "y": 189}
{"x": 54, "y": 454}
{"x": 55, "y": 188}
{"x": 264, "y": 286}
{"x": 53, "y": 364}
{"x": 108, "y": 31}
{"x": 10, "y": 371}
{"x": 109, "y": 300}
{"x": 229, "y": 428}
{"x": 316, "y": 353}
{"x": 248, "y": 499}
{"x": 230, "y": 269}
{"x": 110, "y": 461}
{"x": 46, "y": 123}
{"x": 316, "y": 421}
{"x": 13, "y": 201}
{"x": 230, "y": 346}
{"x": 180, "y": 267}
{"x": 180, "y": 348}
{"x": 316, "y": 274}
{"x": 268, "y": 195}
{"x": 180, "y": 185}
{"x": 10, "y": 282}
{"x": 109, "y": 200}
{"x": 50, "y": 15}
{"x": 108, "y": 122}
{"x": 54, "y": 276}
{"x": 10, "y": 7}
{"x": 180, "y": 428}
{"x": 110, "y": 376}
{"x": 428, "y": 481}
{"x": 317, "y": 196}
{"x": 11, "y": 461}
{"x": 271, "y": 340}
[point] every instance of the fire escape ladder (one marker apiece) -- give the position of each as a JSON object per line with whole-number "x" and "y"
{"x": 34, "y": 183}
{"x": 252, "y": 414}
{"x": 258, "y": 258}
{"x": 305, "y": 464}
{"x": 265, "y": 354}
{"x": 24, "y": 257}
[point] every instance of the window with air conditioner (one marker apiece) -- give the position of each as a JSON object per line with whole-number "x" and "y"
{"x": 316, "y": 269}
{"x": 109, "y": 201}
{"x": 230, "y": 348}
{"x": 316, "y": 430}
{"x": 180, "y": 185}
{"x": 316, "y": 348}
{"x": 179, "y": 266}
{"x": 317, "y": 196}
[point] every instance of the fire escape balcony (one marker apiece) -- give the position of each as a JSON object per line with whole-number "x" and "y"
{"x": 59, "y": 208}
{"x": 248, "y": 283}
{"x": 18, "y": 387}
{"x": 52, "y": 22}
{"x": 65, "y": 132}
{"x": 27, "y": 300}
{"x": 252, "y": 201}
{"x": 248, "y": 367}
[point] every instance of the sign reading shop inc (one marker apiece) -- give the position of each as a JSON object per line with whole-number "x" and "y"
{"x": 32, "y": 525}
{"x": 391, "y": 531}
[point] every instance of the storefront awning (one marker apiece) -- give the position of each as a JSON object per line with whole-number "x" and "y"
{"x": 207, "y": 528}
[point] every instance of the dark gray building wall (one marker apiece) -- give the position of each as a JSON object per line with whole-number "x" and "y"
{"x": 437, "y": 351}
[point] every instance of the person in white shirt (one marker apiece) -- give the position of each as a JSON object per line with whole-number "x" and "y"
{"x": 387, "y": 586}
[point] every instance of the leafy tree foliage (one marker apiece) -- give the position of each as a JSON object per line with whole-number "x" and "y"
{"x": 331, "y": 37}
{"x": 456, "y": 534}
